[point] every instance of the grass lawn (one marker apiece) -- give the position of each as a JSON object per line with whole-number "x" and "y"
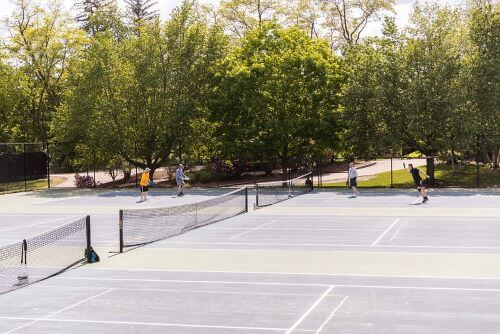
{"x": 30, "y": 185}
{"x": 463, "y": 176}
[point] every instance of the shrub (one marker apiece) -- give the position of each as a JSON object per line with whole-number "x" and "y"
{"x": 193, "y": 177}
{"x": 205, "y": 176}
{"x": 84, "y": 181}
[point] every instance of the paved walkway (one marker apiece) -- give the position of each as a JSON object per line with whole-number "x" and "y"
{"x": 380, "y": 166}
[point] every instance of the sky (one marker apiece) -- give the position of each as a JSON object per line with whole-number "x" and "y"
{"x": 403, "y": 9}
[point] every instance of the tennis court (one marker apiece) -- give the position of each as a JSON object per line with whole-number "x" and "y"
{"x": 318, "y": 263}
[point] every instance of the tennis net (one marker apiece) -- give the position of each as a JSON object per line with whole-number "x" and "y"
{"x": 143, "y": 226}
{"x": 45, "y": 255}
{"x": 269, "y": 193}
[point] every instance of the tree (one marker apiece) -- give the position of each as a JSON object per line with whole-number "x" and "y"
{"x": 41, "y": 43}
{"x": 305, "y": 15}
{"x": 372, "y": 95}
{"x": 10, "y": 126}
{"x": 141, "y": 10}
{"x": 347, "y": 19}
{"x": 240, "y": 16}
{"x": 483, "y": 76}
{"x": 97, "y": 16}
{"x": 432, "y": 113}
{"x": 282, "y": 86}
{"x": 86, "y": 10}
{"x": 138, "y": 97}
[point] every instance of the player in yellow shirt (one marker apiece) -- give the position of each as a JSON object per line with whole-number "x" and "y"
{"x": 145, "y": 180}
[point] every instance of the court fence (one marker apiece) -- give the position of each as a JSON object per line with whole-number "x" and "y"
{"x": 27, "y": 166}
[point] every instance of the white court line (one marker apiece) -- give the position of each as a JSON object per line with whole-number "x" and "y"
{"x": 313, "y": 306}
{"x": 297, "y": 229}
{"x": 331, "y": 315}
{"x": 318, "y": 244}
{"x": 39, "y": 223}
{"x": 251, "y": 230}
{"x": 396, "y": 287}
{"x": 385, "y": 232}
{"x": 395, "y": 234}
{"x": 186, "y": 291}
{"x": 296, "y": 273}
{"x": 157, "y": 324}
{"x": 35, "y": 320}
{"x": 188, "y": 281}
{"x": 334, "y": 218}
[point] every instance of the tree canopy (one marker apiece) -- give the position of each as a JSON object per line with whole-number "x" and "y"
{"x": 286, "y": 83}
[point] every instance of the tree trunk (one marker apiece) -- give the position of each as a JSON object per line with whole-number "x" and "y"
{"x": 495, "y": 161}
{"x": 430, "y": 170}
{"x": 152, "y": 173}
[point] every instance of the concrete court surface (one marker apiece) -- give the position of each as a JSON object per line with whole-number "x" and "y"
{"x": 317, "y": 263}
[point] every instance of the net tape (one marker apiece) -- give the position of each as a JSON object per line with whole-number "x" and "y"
{"x": 47, "y": 254}
{"x": 269, "y": 193}
{"x": 144, "y": 226}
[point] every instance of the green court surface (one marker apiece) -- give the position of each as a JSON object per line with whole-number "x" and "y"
{"x": 317, "y": 263}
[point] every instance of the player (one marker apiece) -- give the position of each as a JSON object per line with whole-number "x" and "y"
{"x": 352, "y": 177}
{"x": 309, "y": 183}
{"x": 179, "y": 178}
{"x": 145, "y": 180}
{"x": 415, "y": 173}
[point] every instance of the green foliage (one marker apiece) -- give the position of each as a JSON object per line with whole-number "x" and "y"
{"x": 41, "y": 43}
{"x": 205, "y": 176}
{"x": 143, "y": 96}
{"x": 259, "y": 84}
{"x": 282, "y": 86}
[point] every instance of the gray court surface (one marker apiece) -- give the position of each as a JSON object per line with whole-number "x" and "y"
{"x": 317, "y": 263}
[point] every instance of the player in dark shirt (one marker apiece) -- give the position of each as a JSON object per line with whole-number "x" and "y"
{"x": 415, "y": 173}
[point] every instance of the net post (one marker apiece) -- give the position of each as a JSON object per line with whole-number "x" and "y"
{"x": 246, "y": 199}
{"x": 24, "y": 253}
{"x": 121, "y": 230}
{"x": 89, "y": 241}
{"x": 257, "y": 195}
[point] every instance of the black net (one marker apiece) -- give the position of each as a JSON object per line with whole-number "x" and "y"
{"x": 46, "y": 255}
{"x": 269, "y": 193}
{"x": 143, "y": 226}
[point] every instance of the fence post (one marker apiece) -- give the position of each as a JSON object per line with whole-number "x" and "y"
{"x": 392, "y": 179}
{"x": 477, "y": 162}
{"x": 312, "y": 179}
{"x": 95, "y": 182}
{"x": 24, "y": 167}
{"x": 135, "y": 152}
{"x": 48, "y": 165}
